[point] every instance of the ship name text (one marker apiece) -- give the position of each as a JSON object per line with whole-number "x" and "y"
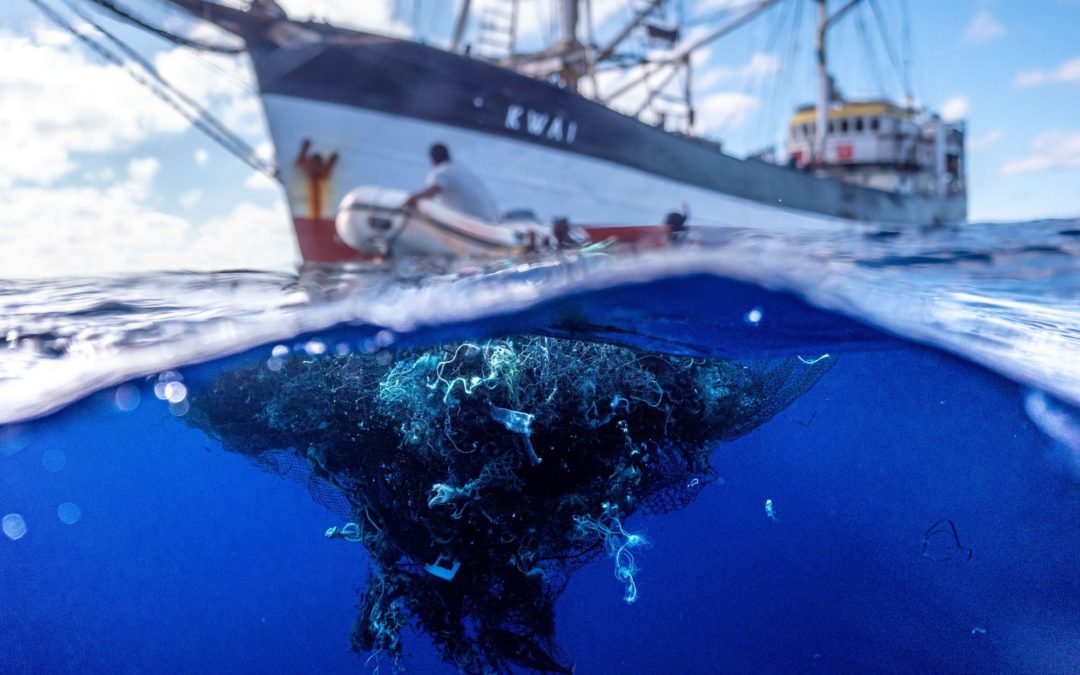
{"x": 535, "y": 123}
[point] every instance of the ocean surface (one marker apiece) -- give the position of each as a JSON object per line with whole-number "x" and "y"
{"x": 879, "y": 468}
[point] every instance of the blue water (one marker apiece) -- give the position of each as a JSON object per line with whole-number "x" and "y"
{"x": 954, "y": 372}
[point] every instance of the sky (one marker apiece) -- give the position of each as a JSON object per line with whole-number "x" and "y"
{"x": 97, "y": 175}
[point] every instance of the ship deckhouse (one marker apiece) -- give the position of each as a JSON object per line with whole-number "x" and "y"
{"x": 881, "y": 145}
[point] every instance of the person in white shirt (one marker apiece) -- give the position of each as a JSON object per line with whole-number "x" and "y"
{"x": 457, "y": 187}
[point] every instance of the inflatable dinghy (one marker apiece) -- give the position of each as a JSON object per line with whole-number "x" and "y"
{"x": 373, "y": 220}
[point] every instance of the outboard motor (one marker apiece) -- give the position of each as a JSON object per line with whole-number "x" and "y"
{"x": 370, "y": 218}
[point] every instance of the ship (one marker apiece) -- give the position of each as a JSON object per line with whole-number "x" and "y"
{"x": 348, "y": 108}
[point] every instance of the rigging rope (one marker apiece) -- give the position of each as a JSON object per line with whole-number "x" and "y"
{"x": 890, "y": 49}
{"x": 761, "y": 85}
{"x": 196, "y": 46}
{"x": 150, "y": 78}
{"x": 871, "y": 63}
{"x": 180, "y": 40}
{"x": 908, "y": 49}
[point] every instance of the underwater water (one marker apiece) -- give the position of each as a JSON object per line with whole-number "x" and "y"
{"x": 809, "y": 453}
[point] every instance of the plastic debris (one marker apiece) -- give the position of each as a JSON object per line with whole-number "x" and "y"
{"x": 440, "y": 568}
{"x": 348, "y": 532}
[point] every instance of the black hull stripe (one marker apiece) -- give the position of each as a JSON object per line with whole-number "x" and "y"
{"x": 412, "y": 80}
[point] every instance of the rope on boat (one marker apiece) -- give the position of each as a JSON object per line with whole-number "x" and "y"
{"x": 180, "y": 40}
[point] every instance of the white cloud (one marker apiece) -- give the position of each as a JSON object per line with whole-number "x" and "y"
{"x": 1050, "y": 150}
{"x": 371, "y": 14}
{"x": 725, "y": 110}
{"x": 83, "y": 230}
{"x": 759, "y": 65}
{"x": 955, "y": 108}
{"x": 716, "y": 109}
{"x": 58, "y": 103}
{"x": 265, "y": 149}
{"x": 190, "y": 199}
{"x": 717, "y": 5}
{"x": 103, "y": 174}
{"x": 984, "y": 141}
{"x": 222, "y": 84}
{"x": 251, "y": 236}
{"x": 64, "y": 115}
{"x": 1066, "y": 73}
{"x": 536, "y": 20}
{"x": 983, "y": 28}
{"x": 61, "y": 231}
{"x": 142, "y": 170}
{"x": 259, "y": 181}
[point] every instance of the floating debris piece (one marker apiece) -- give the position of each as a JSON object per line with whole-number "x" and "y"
{"x": 348, "y": 532}
{"x": 443, "y": 568}
{"x": 942, "y": 542}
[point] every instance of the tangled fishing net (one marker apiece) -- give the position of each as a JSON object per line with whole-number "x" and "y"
{"x": 480, "y": 476}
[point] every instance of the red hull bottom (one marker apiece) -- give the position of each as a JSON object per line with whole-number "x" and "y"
{"x": 319, "y": 242}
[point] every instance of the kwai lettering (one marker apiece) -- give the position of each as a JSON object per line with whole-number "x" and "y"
{"x": 555, "y": 131}
{"x": 536, "y": 122}
{"x": 513, "y": 117}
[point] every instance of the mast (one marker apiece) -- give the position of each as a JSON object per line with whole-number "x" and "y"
{"x": 628, "y": 29}
{"x": 822, "y": 83}
{"x": 569, "y": 48}
{"x": 460, "y": 24}
{"x": 568, "y": 22}
{"x": 683, "y": 54}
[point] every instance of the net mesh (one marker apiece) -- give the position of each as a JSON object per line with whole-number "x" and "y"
{"x": 481, "y": 475}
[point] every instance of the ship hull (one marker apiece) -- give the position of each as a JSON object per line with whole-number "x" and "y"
{"x": 379, "y": 103}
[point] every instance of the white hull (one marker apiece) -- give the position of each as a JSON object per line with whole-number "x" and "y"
{"x": 376, "y": 148}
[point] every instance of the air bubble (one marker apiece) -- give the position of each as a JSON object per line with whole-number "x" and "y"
{"x": 161, "y": 387}
{"x": 69, "y": 513}
{"x": 13, "y": 439}
{"x": 54, "y": 460}
{"x": 384, "y": 338}
{"x": 175, "y": 392}
{"x": 14, "y": 526}
{"x": 180, "y": 408}
{"x": 127, "y": 397}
